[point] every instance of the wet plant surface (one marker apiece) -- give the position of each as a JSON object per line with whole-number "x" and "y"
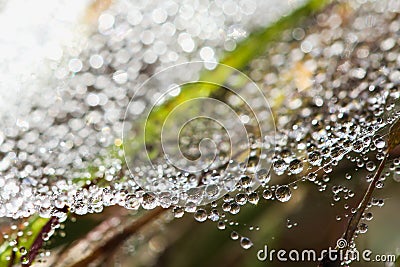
{"x": 280, "y": 131}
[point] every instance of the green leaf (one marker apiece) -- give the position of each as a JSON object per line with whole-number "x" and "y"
{"x": 30, "y": 233}
{"x": 394, "y": 135}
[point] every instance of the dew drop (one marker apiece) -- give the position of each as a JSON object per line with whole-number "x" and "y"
{"x": 369, "y": 216}
{"x": 362, "y": 228}
{"x": 280, "y": 166}
{"x": 283, "y": 193}
{"x": 226, "y": 207}
{"x": 234, "y": 235}
{"x": 200, "y": 215}
{"x": 253, "y": 198}
{"x": 214, "y": 215}
{"x": 370, "y": 166}
{"x": 23, "y": 251}
{"x": 24, "y": 260}
{"x": 296, "y": 166}
{"x": 149, "y": 201}
{"x": 315, "y": 158}
{"x": 234, "y": 208}
{"x": 379, "y": 143}
{"x": 241, "y": 199}
{"x": 221, "y": 226}
{"x": 267, "y": 194}
{"x": 178, "y": 212}
{"x": 245, "y": 243}
{"x": 132, "y": 202}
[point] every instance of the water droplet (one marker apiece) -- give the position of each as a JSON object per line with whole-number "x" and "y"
{"x": 370, "y": 166}
{"x": 296, "y": 166}
{"x": 379, "y": 142}
{"x": 283, "y": 193}
{"x": 23, "y": 251}
{"x": 234, "y": 235}
{"x": 241, "y": 199}
{"x": 362, "y": 228}
{"x": 280, "y": 166}
{"x": 24, "y": 260}
{"x": 267, "y": 194}
{"x": 200, "y": 215}
{"x": 369, "y": 216}
{"x": 315, "y": 158}
{"x": 253, "y": 198}
{"x": 132, "y": 202}
{"x": 235, "y": 208}
{"x": 221, "y": 226}
{"x": 149, "y": 201}
{"x": 246, "y": 243}
{"x": 214, "y": 215}
{"x": 178, "y": 212}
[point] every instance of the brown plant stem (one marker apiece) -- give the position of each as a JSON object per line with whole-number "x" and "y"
{"x": 356, "y": 217}
{"x": 12, "y": 257}
{"x": 393, "y": 143}
{"x": 38, "y": 243}
{"x": 393, "y": 151}
{"x": 104, "y": 240}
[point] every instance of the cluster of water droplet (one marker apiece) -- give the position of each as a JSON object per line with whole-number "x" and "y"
{"x": 60, "y": 140}
{"x": 335, "y": 95}
{"x": 336, "y": 89}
